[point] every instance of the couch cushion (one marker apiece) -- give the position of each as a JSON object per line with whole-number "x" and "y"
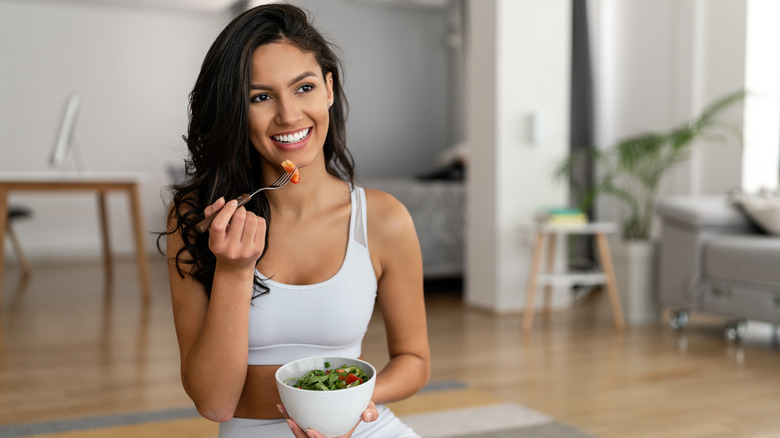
{"x": 701, "y": 211}
{"x": 763, "y": 209}
{"x": 749, "y": 259}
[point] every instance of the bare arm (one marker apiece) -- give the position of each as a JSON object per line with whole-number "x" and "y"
{"x": 394, "y": 245}
{"x": 212, "y": 333}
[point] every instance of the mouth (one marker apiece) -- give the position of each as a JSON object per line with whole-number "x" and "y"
{"x": 292, "y": 137}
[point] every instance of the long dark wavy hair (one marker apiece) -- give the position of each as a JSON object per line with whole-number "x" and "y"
{"x": 222, "y": 161}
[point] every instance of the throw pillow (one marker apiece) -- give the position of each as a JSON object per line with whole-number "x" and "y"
{"x": 763, "y": 209}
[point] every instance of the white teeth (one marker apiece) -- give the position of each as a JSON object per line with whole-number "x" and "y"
{"x": 292, "y": 138}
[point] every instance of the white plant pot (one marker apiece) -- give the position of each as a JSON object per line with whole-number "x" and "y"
{"x": 635, "y": 263}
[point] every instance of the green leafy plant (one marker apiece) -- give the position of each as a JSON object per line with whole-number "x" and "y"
{"x": 631, "y": 171}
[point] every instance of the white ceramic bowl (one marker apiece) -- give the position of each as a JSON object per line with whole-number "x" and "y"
{"x": 331, "y": 413}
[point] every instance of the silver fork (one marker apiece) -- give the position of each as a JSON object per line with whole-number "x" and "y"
{"x": 243, "y": 199}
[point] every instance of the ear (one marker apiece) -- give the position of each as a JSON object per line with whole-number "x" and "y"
{"x": 329, "y": 87}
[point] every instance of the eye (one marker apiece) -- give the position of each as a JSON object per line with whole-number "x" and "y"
{"x": 262, "y": 97}
{"x": 305, "y": 88}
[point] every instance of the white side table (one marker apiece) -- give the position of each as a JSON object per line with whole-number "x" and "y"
{"x": 536, "y": 278}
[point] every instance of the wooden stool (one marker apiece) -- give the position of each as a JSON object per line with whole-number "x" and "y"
{"x": 606, "y": 276}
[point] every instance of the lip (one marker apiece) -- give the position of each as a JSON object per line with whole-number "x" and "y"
{"x": 293, "y": 146}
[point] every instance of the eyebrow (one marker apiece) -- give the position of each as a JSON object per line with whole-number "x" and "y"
{"x": 298, "y": 78}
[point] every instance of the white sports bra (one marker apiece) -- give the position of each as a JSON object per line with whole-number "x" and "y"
{"x": 329, "y": 318}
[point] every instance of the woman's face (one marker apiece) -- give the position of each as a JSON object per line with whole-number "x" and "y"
{"x": 288, "y": 104}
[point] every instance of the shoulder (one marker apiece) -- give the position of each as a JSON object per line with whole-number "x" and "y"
{"x": 386, "y": 213}
{"x": 390, "y": 228}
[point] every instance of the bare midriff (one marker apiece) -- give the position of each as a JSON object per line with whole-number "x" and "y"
{"x": 260, "y": 396}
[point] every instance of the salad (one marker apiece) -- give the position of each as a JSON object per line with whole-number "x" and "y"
{"x": 330, "y": 379}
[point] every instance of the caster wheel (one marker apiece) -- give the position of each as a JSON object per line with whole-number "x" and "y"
{"x": 735, "y": 331}
{"x": 678, "y": 319}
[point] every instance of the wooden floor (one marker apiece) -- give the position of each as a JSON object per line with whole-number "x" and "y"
{"x": 71, "y": 348}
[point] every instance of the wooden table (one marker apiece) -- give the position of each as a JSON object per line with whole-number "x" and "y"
{"x": 605, "y": 276}
{"x": 99, "y": 183}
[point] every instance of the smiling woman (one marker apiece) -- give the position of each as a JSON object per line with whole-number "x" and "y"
{"x": 250, "y": 294}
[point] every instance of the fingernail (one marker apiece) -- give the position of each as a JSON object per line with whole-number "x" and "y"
{"x": 309, "y": 433}
{"x": 368, "y": 416}
{"x": 233, "y": 203}
{"x": 279, "y": 406}
{"x": 289, "y": 423}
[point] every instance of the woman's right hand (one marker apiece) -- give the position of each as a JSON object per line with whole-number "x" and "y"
{"x": 236, "y": 236}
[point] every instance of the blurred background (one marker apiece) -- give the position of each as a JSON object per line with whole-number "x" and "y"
{"x": 133, "y": 64}
{"x": 494, "y": 84}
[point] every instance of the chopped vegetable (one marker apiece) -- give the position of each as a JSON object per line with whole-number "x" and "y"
{"x": 329, "y": 379}
{"x": 288, "y": 167}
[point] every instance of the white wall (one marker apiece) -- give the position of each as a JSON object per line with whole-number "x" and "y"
{"x": 518, "y": 62}
{"x": 134, "y": 68}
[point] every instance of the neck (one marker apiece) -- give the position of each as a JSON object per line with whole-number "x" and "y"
{"x": 317, "y": 190}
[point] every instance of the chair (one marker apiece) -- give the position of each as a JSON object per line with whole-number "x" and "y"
{"x": 14, "y": 213}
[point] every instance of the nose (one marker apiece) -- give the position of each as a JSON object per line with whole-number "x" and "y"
{"x": 288, "y": 111}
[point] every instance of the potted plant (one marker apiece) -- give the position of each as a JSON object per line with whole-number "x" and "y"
{"x": 630, "y": 174}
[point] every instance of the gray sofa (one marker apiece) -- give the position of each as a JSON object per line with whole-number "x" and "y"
{"x": 713, "y": 259}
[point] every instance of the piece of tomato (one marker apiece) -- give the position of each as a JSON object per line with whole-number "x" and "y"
{"x": 289, "y": 166}
{"x": 353, "y": 378}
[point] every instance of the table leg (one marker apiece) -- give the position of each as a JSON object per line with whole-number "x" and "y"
{"x": 536, "y": 259}
{"x": 140, "y": 246}
{"x": 17, "y": 246}
{"x": 609, "y": 272}
{"x": 3, "y": 227}
{"x": 548, "y": 288}
{"x": 108, "y": 263}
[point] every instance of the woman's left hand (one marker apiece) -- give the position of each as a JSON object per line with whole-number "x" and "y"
{"x": 370, "y": 414}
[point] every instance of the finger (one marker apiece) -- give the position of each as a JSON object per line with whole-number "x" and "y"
{"x": 296, "y": 430}
{"x": 250, "y": 229}
{"x": 370, "y": 414}
{"x": 311, "y": 433}
{"x": 221, "y": 221}
{"x": 209, "y": 210}
{"x": 282, "y": 410}
{"x": 236, "y": 227}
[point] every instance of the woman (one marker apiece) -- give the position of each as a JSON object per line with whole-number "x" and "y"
{"x": 296, "y": 271}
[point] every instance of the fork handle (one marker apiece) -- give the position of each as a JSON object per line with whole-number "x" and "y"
{"x": 204, "y": 224}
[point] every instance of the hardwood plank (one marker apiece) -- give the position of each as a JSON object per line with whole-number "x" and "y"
{"x": 69, "y": 348}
